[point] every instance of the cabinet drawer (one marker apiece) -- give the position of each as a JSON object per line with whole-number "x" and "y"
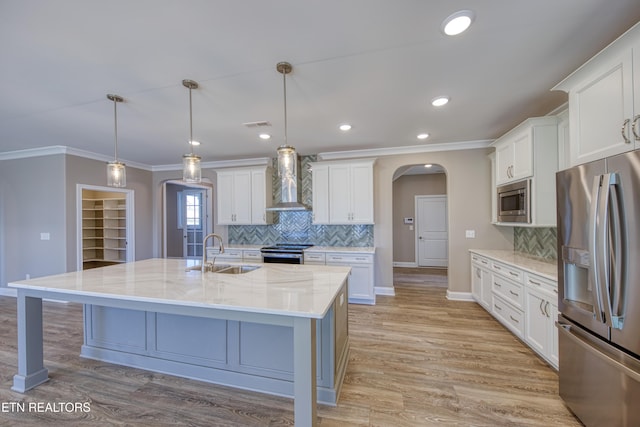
{"x": 350, "y": 259}
{"x": 255, "y": 256}
{"x": 228, "y": 254}
{"x": 541, "y": 283}
{"x": 314, "y": 257}
{"x": 508, "y": 315}
{"x": 480, "y": 260}
{"x": 510, "y": 291}
{"x": 512, "y": 273}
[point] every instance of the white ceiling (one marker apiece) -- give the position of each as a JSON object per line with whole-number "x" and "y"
{"x": 373, "y": 63}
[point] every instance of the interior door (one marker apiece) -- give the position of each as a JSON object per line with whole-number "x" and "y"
{"x": 432, "y": 231}
{"x": 193, "y": 222}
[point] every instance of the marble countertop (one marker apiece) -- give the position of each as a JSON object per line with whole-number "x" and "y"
{"x": 544, "y": 268}
{"x": 282, "y": 289}
{"x": 349, "y": 249}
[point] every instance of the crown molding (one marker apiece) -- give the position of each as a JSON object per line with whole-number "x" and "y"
{"x": 260, "y": 161}
{"x": 61, "y": 149}
{"x": 412, "y": 149}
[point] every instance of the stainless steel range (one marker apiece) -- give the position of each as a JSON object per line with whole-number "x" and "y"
{"x": 285, "y": 253}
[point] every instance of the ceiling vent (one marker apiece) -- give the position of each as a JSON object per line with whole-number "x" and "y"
{"x": 260, "y": 124}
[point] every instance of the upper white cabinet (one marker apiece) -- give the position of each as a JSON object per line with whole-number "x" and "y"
{"x": 604, "y": 101}
{"x": 526, "y": 150}
{"x": 243, "y": 194}
{"x": 514, "y": 156}
{"x": 530, "y": 151}
{"x": 343, "y": 192}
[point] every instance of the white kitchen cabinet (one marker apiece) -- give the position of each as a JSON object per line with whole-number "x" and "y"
{"x": 604, "y": 101}
{"x": 541, "y": 334}
{"x": 508, "y": 297}
{"x": 481, "y": 278}
{"x": 514, "y": 157}
{"x": 530, "y": 151}
{"x": 361, "y": 279}
{"x": 243, "y": 195}
{"x": 252, "y": 255}
{"x": 343, "y": 192}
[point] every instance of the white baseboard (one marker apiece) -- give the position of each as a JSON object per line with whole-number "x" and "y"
{"x": 460, "y": 296}
{"x": 385, "y": 290}
{"x": 405, "y": 264}
{"x": 8, "y": 292}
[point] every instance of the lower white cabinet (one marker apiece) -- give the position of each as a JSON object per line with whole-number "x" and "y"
{"x": 524, "y": 302}
{"x": 361, "y": 278}
{"x": 541, "y": 301}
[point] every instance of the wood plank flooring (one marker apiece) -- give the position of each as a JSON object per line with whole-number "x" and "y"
{"x": 416, "y": 359}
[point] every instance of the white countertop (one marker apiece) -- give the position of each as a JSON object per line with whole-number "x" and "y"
{"x": 548, "y": 269}
{"x": 348, "y": 249}
{"x": 283, "y": 289}
{"x": 244, "y": 247}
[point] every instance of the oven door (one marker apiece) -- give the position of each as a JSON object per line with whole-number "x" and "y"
{"x": 281, "y": 258}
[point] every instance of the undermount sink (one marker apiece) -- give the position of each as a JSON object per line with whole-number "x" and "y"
{"x": 208, "y": 268}
{"x": 238, "y": 269}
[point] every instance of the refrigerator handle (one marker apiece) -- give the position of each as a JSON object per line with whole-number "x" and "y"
{"x": 595, "y": 261}
{"x": 605, "y": 236}
{"x": 618, "y": 255}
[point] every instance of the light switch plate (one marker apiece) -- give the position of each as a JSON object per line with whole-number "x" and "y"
{"x": 45, "y": 236}
{"x": 470, "y": 234}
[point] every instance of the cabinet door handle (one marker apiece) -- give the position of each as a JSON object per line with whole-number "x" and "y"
{"x": 497, "y": 284}
{"x": 513, "y": 274}
{"x": 513, "y": 293}
{"x": 541, "y": 308}
{"x": 478, "y": 275}
{"x": 497, "y": 307}
{"x": 514, "y": 319}
{"x": 497, "y": 267}
{"x": 546, "y": 309}
{"x": 533, "y": 282}
{"x": 623, "y": 131}
{"x": 634, "y": 127}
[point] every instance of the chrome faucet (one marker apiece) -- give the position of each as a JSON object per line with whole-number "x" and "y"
{"x": 206, "y": 266}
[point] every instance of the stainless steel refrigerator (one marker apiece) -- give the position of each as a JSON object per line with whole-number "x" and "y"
{"x": 599, "y": 290}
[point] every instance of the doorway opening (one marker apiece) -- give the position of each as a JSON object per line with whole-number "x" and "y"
{"x": 105, "y": 226}
{"x": 420, "y": 224}
{"x": 187, "y": 218}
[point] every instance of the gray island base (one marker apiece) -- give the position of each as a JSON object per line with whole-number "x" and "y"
{"x": 279, "y": 329}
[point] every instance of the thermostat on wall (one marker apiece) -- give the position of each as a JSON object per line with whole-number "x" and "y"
{"x": 408, "y": 220}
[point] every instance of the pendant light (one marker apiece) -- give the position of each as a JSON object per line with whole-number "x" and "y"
{"x": 191, "y": 171}
{"x": 116, "y": 172}
{"x": 287, "y": 157}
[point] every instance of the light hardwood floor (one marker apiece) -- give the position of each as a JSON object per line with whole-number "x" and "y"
{"x": 416, "y": 359}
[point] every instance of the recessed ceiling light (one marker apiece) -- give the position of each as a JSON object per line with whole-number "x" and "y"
{"x": 194, "y": 143}
{"x": 428, "y": 165}
{"x": 457, "y": 22}
{"x": 423, "y": 136}
{"x": 345, "y": 127}
{"x": 264, "y": 136}
{"x": 440, "y": 101}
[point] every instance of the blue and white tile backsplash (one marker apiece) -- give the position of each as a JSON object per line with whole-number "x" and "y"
{"x": 297, "y": 227}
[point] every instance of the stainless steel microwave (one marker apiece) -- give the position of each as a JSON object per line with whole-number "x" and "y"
{"x": 514, "y": 202}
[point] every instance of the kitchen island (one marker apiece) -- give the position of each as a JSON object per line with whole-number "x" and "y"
{"x": 279, "y": 329}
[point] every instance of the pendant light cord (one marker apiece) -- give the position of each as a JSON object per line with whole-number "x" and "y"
{"x": 115, "y": 126}
{"x": 190, "y": 122}
{"x": 284, "y": 80}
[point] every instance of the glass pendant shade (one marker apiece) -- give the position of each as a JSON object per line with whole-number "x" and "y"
{"x": 191, "y": 171}
{"x": 287, "y": 161}
{"x": 116, "y": 171}
{"x": 116, "y": 174}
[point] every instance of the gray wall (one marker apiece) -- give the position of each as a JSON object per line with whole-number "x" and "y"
{"x": 38, "y": 195}
{"x": 469, "y": 203}
{"x": 32, "y": 201}
{"x": 85, "y": 171}
{"x": 405, "y": 189}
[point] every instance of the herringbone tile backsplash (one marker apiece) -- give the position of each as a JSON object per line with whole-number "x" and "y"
{"x": 540, "y": 242}
{"x": 296, "y": 227}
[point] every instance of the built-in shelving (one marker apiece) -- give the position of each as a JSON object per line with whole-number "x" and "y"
{"x": 104, "y": 231}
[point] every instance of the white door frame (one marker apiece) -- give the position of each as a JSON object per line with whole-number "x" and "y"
{"x": 417, "y": 225}
{"x": 130, "y": 212}
{"x": 209, "y": 204}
